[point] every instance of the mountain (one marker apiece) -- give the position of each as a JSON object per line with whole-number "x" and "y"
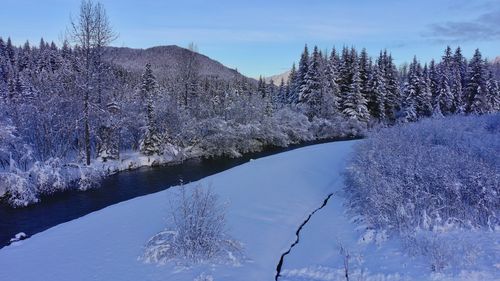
{"x": 168, "y": 62}
{"x": 277, "y": 78}
{"x": 497, "y": 60}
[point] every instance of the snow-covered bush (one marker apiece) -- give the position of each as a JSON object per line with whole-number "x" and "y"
{"x": 16, "y": 189}
{"x": 88, "y": 177}
{"x": 425, "y": 180}
{"x": 48, "y": 177}
{"x": 196, "y": 232}
{"x": 294, "y": 124}
{"x": 329, "y": 128}
{"x": 429, "y": 173}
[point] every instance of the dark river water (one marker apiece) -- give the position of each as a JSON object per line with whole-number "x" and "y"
{"x": 69, "y": 205}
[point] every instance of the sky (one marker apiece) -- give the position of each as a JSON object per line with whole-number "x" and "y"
{"x": 265, "y": 37}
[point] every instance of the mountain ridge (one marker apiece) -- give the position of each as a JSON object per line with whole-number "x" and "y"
{"x": 168, "y": 61}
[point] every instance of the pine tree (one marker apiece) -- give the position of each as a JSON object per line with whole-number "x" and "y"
{"x": 281, "y": 97}
{"x": 365, "y": 66}
{"x": 261, "y": 88}
{"x": 10, "y": 53}
{"x": 411, "y": 92}
{"x": 311, "y": 92}
{"x": 425, "y": 98}
{"x": 476, "y": 86}
{"x": 355, "y": 103}
{"x": 492, "y": 93}
{"x": 331, "y": 93}
{"x": 151, "y": 142}
{"x": 345, "y": 77}
{"x": 459, "y": 70}
{"x": 393, "y": 96}
{"x": 376, "y": 94}
{"x": 293, "y": 86}
{"x": 302, "y": 72}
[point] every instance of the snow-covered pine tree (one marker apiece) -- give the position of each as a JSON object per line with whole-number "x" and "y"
{"x": 459, "y": 71}
{"x": 393, "y": 96}
{"x": 271, "y": 98}
{"x": 151, "y": 142}
{"x": 376, "y": 93}
{"x": 281, "y": 97}
{"x": 411, "y": 92}
{"x": 331, "y": 93}
{"x": 10, "y": 53}
{"x": 262, "y": 88}
{"x": 365, "y": 68}
{"x": 293, "y": 86}
{"x": 425, "y": 98}
{"x": 311, "y": 92}
{"x": 476, "y": 86}
{"x": 492, "y": 93}
{"x": 355, "y": 103}
{"x": 302, "y": 72}
{"x": 345, "y": 71}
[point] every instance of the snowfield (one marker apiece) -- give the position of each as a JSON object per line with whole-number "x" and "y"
{"x": 268, "y": 199}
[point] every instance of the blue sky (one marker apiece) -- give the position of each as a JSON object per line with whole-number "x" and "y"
{"x": 266, "y": 37}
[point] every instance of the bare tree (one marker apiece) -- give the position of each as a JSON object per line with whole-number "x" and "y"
{"x": 91, "y": 31}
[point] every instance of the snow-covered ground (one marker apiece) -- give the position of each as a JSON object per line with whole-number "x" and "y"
{"x": 268, "y": 199}
{"x": 372, "y": 256}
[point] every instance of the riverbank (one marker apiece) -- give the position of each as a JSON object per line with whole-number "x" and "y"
{"x": 68, "y": 205}
{"x": 264, "y": 212}
{"x": 22, "y": 187}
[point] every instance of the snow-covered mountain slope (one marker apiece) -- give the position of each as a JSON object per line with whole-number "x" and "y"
{"x": 168, "y": 62}
{"x": 277, "y": 78}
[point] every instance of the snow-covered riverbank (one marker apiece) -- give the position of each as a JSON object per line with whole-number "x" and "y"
{"x": 268, "y": 199}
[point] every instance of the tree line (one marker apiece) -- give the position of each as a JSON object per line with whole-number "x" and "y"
{"x": 368, "y": 91}
{"x": 71, "y": 103}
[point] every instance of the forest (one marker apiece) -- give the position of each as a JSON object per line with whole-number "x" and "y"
{"x": 65, "y": 108}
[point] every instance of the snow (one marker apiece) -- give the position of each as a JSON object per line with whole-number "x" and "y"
{"x": 268, "y": 199}
{"x": 376, "y": 256}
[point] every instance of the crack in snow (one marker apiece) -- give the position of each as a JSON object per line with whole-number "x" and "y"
{"x": 297, "y": 234}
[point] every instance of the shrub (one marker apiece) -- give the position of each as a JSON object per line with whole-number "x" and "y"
{"x": 434, "y": 183}
{"x": 196, "y": 232}
{"x": 426, "y": 174}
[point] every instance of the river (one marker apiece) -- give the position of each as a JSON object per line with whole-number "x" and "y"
{"x": 69, "y": 205}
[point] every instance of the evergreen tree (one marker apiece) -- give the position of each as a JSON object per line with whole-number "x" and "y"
{"x": 151, "y": 142}
{"x": 331, "y": 93}
{"x": 425, "y": 98}
{"x": 459, "y": 72}
{"x": 311, "y": 92}
{"x": 293, "y": 86}
{"x": 376, "y": 94}
{"x": 302, "y": 72}
{"x": 492, "y": 93}
{"x": 411, "y": 92}
{"x": 281, "y": 97}
{"x": 364, "y": 73}
{"x": 392, "y": 98}
{"x": 345, "y": 77}
{"x": 261, "y": 88}
{"x": 10, "y": 53}
{"x": 355, "y": 103}
{"x": 476, "y": 86}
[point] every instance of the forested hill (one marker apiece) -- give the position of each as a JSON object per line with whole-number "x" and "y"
{"x": 168, "y": 62}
